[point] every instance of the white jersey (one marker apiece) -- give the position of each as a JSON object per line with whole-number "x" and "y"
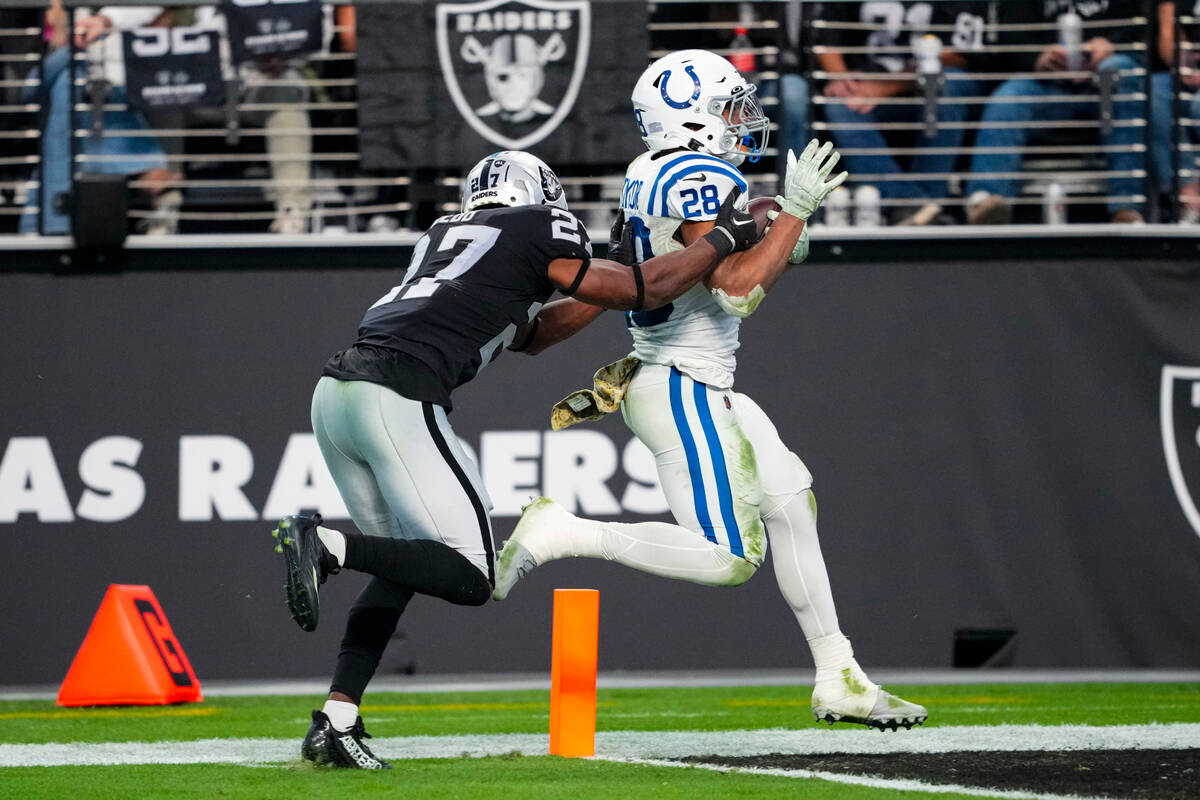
{"x": 662, "y": 190}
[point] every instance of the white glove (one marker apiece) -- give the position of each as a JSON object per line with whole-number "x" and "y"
{"x": 807, "y": 182}
{"x": 800, "y": 251}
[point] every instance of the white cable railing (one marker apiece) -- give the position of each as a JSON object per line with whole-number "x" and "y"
{"x": 1089, "y": 104}
{"x": 223, "y": 153}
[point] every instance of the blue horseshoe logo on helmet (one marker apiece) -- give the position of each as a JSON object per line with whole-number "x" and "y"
{"x": 662, "y": 88}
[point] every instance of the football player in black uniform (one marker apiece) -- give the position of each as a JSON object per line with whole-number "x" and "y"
{"x": 476, "y": 285}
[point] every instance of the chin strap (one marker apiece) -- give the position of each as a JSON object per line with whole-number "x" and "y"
{"x": 748, "y": 141}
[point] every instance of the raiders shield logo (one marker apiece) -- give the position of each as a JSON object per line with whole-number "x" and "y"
{"x": 1179, "y": 405}
{"x": 514, "y": 67}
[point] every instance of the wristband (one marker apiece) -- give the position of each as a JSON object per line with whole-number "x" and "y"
{"x": 721, "y": 241}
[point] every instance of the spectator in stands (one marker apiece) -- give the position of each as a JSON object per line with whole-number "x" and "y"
{"x": 1010, "y": 120}
{"x": 1164, "y": 110}
{"x": 276, "y": 89}
{"x": 139, "y": 155}
{"x": 790, "y": 87}
{"x": 384, "y": 221}
{"x": 858, "y": 106}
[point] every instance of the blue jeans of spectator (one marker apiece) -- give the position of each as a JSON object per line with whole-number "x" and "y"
{"x": 56, "y": 145}
{"x": 792, "y": 116}
{"x": 867, "y": 137}
{"x": 1037, "y": 111}
{"x": 1161, "y": 125}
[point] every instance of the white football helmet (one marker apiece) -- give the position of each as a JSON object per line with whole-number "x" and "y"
{"x": 512, "y": 178}
{"x": 696, "y": 99}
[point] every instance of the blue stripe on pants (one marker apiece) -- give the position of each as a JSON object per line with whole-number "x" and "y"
{"x": 720, "y": 473}
{"x": 693, "y": 457}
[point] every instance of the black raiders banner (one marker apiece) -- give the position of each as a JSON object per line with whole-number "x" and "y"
{"x": 264, "y": 28}
{"x": 552, "y": 76}
{"x": 1179, "y": 414}
{"x": 172, "y": 67}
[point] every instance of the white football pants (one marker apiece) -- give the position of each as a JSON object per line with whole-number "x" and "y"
{"x": 725, "y": 473}
{"x": 401, "y": 470}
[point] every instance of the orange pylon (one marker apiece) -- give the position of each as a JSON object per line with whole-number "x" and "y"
{"x": 573, "y": 672}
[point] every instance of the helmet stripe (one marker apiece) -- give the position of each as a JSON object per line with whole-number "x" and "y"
{"x": 483, "y": 174}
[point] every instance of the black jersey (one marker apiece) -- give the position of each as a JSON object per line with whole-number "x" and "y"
{"x": 879, "y": 35}
{"x": 473, "y": 279}
{"x": 1048, "y": 11}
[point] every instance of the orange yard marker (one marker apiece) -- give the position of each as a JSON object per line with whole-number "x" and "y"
{"x": 130, "y": 656}
{"x": 573, "y": 672}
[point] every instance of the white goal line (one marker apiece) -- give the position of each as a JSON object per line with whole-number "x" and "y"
{"x": 630, "y": 745}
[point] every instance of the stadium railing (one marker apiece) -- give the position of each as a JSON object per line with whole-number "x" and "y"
{"x": 1066, "y": 153}
{"x": 227, "y": 188}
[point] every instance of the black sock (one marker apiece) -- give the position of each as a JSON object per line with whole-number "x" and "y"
{"x": 422, "y": 565}
{"x": 370, "y": 626}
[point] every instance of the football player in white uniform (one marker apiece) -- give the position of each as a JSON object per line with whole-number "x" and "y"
{"x": 379, "y": 411}
{"x": 731, "y": 483}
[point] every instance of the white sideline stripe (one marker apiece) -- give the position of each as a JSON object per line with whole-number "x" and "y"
{"x": 654, "y": 679}
{"x": 902, "y": 784}
{"x": 625, "y": 745}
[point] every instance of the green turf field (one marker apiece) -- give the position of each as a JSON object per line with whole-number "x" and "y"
{"x": 750, "y": 709}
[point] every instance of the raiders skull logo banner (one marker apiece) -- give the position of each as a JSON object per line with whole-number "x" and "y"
{"x": 513, "y": 67}
{"x": 552, "y": 76}
{"x": 266, "y": 28}
{"x": 1179, "y": 413}
{"x": 172, "y": 67}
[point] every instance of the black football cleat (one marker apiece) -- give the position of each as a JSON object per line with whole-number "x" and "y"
{"x": 327, "y": 747}
{"x": 308, "y": 564}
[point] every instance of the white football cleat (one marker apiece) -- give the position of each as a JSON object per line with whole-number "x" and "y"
{"x": 854, "y": 698}
{"x": 529, "y": 544}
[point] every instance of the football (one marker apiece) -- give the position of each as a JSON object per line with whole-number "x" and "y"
{"x": 758, "y": 208}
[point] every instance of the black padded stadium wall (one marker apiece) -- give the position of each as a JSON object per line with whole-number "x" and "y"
{"x": 996, "y": 445}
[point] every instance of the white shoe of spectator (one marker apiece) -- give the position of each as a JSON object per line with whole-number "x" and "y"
{"x": 868, "y": 210}
{"x": 164, "y": 220}
{"x": 290, "y": 220}
{"x": 837, "y": 208}
{"x": 984, "y": 208}
{"x": 382, "y": 223}
{"x": 149, "y": 227}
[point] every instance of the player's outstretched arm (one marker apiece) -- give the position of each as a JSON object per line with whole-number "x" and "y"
{"x": 742, "y": 280}
{"x": 761, "y": 265}
{"x": 554, "y": 322}
{"x": 661, "y": 279}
